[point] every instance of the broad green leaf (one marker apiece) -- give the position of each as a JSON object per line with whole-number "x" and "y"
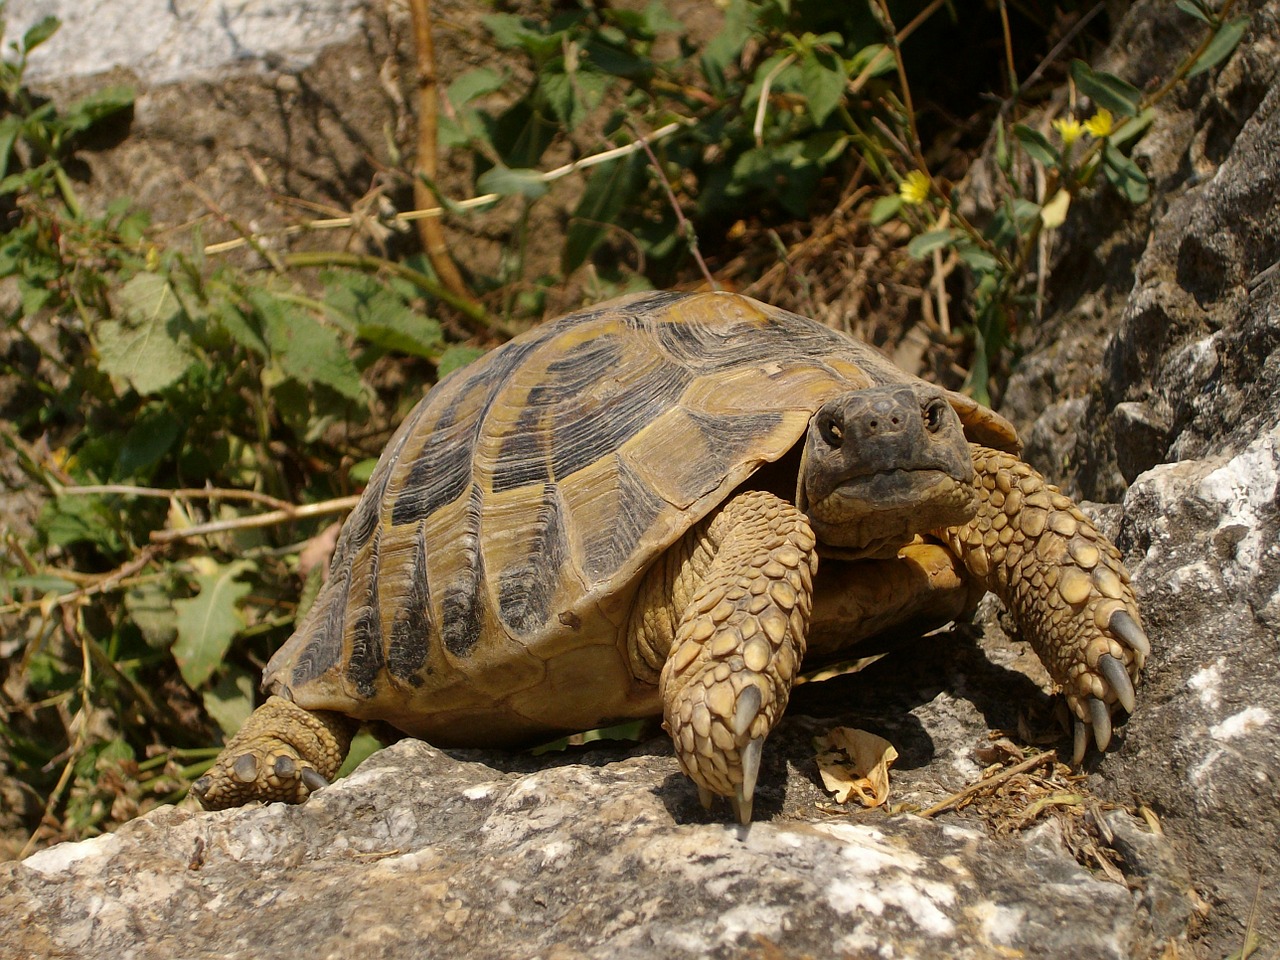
{"x": 230, "y": 700}
{"x": 869, "y": 54}
{"x": 75, "y": 519}
{"x": 885, "y": 209}
{"x": 1220, "y": 47}
{"x": 42, "y": 583}
{"x": 99, "y": 105}
{"x": 455, "y": 357}
{"x": 150, "y": 607}
{"x": 975, "y": 258}
{"x": 472, "y": 84}
{"x": 1106, "y": 89}
{"x": 1132, "y": 127}
{"x": 1125, "y": 175}
{"x": 148, "y": 351}
{"x": 39, "y": 32}
{"x": 380, "y": 316}
{"x": 237, "y": 326}
{"x": 209, "y": 621}
{"x": 305, "y": 349}
{"x": 363, "y": 744}
{"x": 1037, "y": 145}
{"x": 512, "y": 182}
{"x": 572, "y": 96}
{"x": 1195, "y": 8}
{"x": 823, "y": 147}
{"x": 359, "y": 473}
{"x": 149, "y": 438}
{"x": 823, "y": 80}
{"x": 926, "y": 243}
{"x": 611, "y": 188}
{"x": 725, "y": 48}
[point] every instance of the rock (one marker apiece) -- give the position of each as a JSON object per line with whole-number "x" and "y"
{"x": 160, "y": 41}
{"x": 1185, "y": 406}
{"x": 423, "y": 852}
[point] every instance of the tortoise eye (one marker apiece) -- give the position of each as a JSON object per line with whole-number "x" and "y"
{"x": 935, "y": 415}
{"x": 830, "y": 431}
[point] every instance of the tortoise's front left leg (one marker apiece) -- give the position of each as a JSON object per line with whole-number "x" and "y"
{"x": 1064, "y": 584}
{"x": 738, "y": 643}
{"x": 283, "y": 752}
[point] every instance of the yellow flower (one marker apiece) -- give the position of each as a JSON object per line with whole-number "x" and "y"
{"x": 1100, "y": 125}
{"x": 1069, "y": 129}
{"x": 914, "y": 188}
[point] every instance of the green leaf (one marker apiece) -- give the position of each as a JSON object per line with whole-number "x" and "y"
{"x": 859, "y": 61}
{"x": 359, "y": 473}
{"x": 455, "y": 357}
{"x": 512, "y": 182}
{"x": 511, "y": 31}
{"x": 472, "y": 84}
{"x": 1037, "y": 145}
{"x": 39, "y": 32}
{"x": 822, "y": 79}
{"x": 209, "y": 621}
{"x": 1125, "y": 175}
{"x": 149, "y": 438}
{"x": 363, "y": 744}
{"x": 230, "y": 701}
{"x": 926, "y": 243}
{"x": 1106, "y": 89}
{"x": 1132, "y": 127}
{"x": 609, "y": 191}
{"x": 10, "y": 127}
{"x": 305, "y": 349}
{"x": 975, "y": 258}
{"x": 150, "y": 606}
{"x": 148, "y": 351}
{"x": 85, "y": 112}
{"x": 1220, "y": 47}
{"x": 378, "y": 315}
{"x": 1195, "y": 8}
{"x": 237, "y": 326}
{"x": 885, "y": 209}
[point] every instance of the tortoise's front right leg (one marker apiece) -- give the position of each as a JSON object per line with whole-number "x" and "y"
{"x": 283, "y": 752}
{"x": 738, "y": 643}
{"x": 1063, "y": 582}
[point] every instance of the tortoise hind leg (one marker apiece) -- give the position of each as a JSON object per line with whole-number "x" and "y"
{"x": 283, "y": 752}
{"x": 738, "y": 644}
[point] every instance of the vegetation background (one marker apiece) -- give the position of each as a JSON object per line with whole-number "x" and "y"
{"x": 188, "y": 407}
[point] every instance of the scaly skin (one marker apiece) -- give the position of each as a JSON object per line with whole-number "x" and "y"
{"x": 739, "y": 643}
{"x": 282, "y": 752}
{"x": 1062, "y": 581}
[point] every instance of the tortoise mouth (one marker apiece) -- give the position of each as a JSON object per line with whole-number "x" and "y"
{"x": 874, "y": 515}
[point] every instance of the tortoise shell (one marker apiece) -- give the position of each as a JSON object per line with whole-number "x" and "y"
{"x": 480, "y": 591}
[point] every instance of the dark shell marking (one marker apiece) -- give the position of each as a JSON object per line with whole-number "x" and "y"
{"x": 497, "y": 548}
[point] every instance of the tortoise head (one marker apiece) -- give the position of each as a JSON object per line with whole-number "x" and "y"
{"x": 883, "y": 464}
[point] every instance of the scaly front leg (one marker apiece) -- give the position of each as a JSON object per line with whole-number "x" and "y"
{"x": 1064, "y": 584}
{"x": 739, "y": 643}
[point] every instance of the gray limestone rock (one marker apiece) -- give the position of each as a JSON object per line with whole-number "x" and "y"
{"x": 425, "y": 853}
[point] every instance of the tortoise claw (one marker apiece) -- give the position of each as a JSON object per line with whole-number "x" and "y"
{"x": 1081, "y": 744}
{"x": 1100, "y": 717}
{"x": 313, "y": 779}
{"x": 1116, "y": 675}
{"x": 743, "y": 798}
{"x": 1127, "y": 630}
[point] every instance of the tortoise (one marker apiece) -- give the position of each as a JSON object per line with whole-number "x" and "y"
{"x": 665, "y": 505}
